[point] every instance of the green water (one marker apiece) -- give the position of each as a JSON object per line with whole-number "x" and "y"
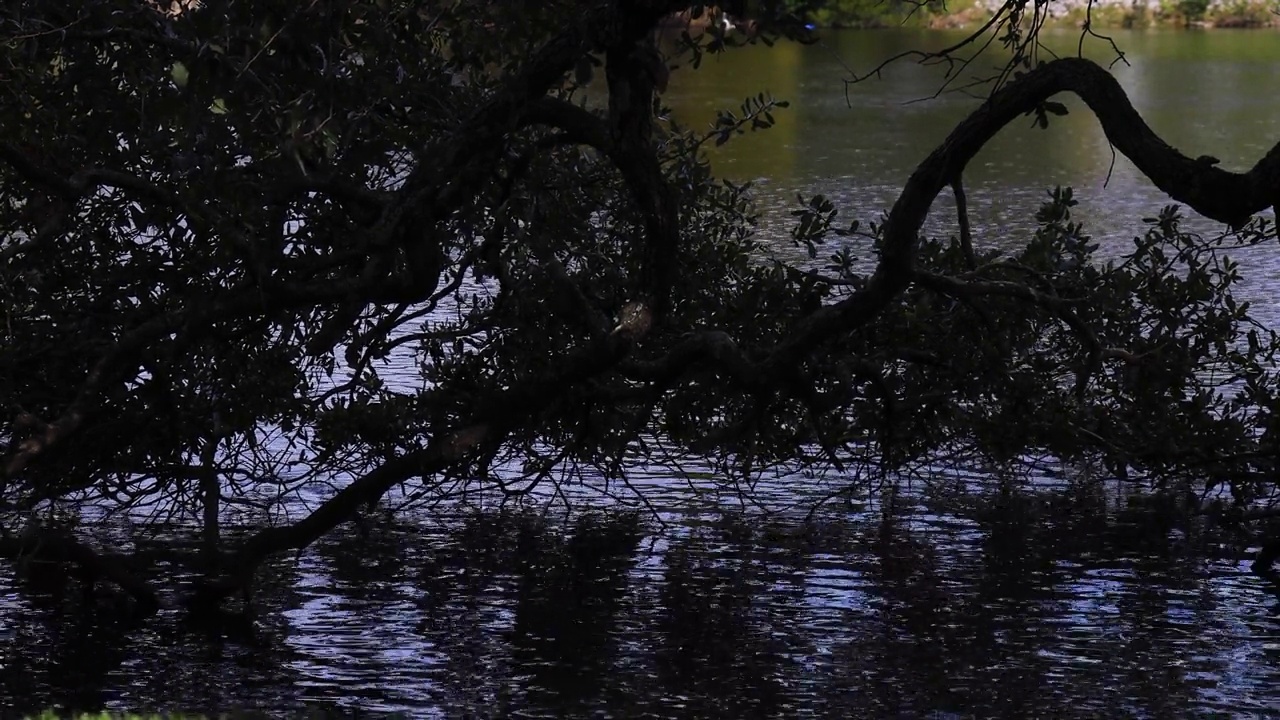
{"x": 1206, "y": 92}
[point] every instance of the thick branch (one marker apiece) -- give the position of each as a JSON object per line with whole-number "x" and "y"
{"x": 578, "y": 124}
{"x": 629, "y": 69}
{"x": 1215, "y": 193}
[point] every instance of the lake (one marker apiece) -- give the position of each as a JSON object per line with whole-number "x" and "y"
{"x": 1206, "y": 93}
{"x": 959, "y": 596}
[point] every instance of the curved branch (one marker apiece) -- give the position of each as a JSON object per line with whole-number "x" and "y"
{"x": 1211, "y": 191}
{"x": 578, "y": 124}
{"x": 630, "y": 149}
{"x": 629, "y": 69}
{"x": 626, "y": 139}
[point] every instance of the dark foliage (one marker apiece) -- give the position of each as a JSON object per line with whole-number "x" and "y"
{"x": 253, "y": 248}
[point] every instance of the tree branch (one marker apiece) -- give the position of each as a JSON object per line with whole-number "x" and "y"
{"x": 495, "y": 417}
{"x": 1215, "y": 193}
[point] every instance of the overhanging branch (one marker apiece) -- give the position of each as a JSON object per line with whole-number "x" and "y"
{"x": 1211, "y": 191}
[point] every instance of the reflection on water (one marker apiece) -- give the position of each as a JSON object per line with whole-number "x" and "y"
{"x": 1016, "y": 605}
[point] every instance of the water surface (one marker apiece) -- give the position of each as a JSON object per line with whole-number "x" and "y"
{"x": 1021, "y": 604}
{"x": 1206, "y": 93}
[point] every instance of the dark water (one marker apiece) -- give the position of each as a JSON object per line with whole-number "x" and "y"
{"x": 1075, "y": 603}
{"x": 1035, "y": 603}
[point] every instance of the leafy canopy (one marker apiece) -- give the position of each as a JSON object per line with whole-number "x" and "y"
{"x": 453, "y": 244}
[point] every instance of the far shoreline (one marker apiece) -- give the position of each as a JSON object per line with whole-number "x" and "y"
{"x": 1109, "y": 16}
